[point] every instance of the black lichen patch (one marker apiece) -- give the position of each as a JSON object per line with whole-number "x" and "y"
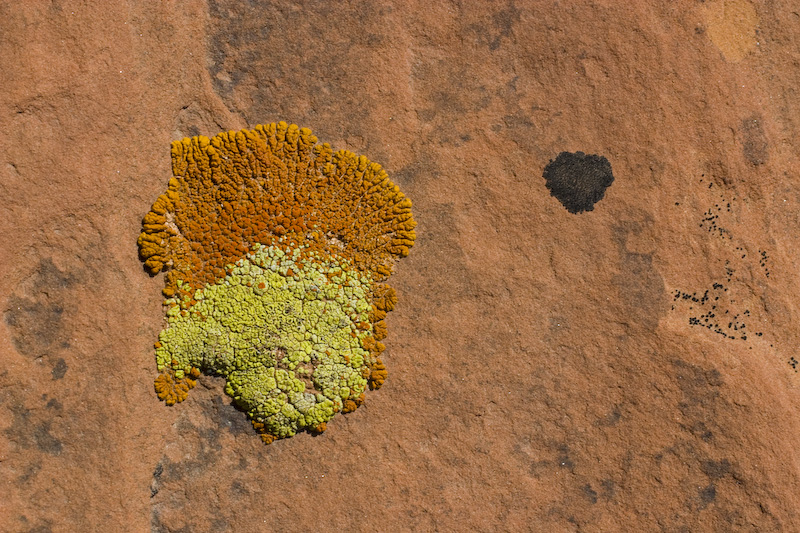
{"x": 578, "y": 180}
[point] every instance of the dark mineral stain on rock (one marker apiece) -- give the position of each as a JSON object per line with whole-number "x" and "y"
{"x": 754, "y": 142}
{"x": 30, "y": 429}
{"x": 59, "y": 368}
{"x": 35, "y": 315}
{"x": 578, "y": 180}
{"x": 707, "y": 495}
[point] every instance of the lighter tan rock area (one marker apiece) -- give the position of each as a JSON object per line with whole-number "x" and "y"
{"x": 622, "y": 360}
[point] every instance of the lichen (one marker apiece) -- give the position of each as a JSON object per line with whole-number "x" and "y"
{"x": 276, "y": 250}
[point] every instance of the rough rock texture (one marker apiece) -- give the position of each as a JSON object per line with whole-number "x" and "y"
{"x": 630, "y": 368}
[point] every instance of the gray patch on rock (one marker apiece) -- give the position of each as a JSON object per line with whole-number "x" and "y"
{"x": 237, "y": 489}
{"x": 754, "y": 143}
{"x": 640, "y": 284}
{"x": 227, "y": 416}
{"x": 701, "y": 398}
{"x": 30, "y": 431}
{"x": 707, "y": 495}
{"x": 36, "y": 316}
{"x": 155, "y": 485}
{"x": 59, "y": 369}
{"x": 564, "y": 460}
{"x": 590, "y": 493}
{"x": 447, "y": 94}
{"x": 193, "y": 120}
{"x": 492, "y": 32}
{"x": 45, "y": 527}
{"x": 169, "y": 477}
{"x": 716, "y": 469}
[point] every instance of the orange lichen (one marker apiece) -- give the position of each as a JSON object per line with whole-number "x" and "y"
{"x": 379, "y": 330}
{"x": 384, "y": 298}
{"x": 172, "y": 389}
{"x": 374, "y": 347}
{"x": 241, "y": 188}
{"x": 352, "y": 405}
{"x": 266, "y": 437}
{"x": 378, "y": 375}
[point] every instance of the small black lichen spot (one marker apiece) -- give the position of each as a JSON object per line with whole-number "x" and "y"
{"x": 578, "y": 180}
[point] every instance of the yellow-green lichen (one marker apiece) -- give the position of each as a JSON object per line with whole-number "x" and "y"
{"x": 276, "y": 250}
{"x": 285, "y": 329}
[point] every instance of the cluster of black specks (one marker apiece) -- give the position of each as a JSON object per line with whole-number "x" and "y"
{"x": 763, "y": 262}
{"x": 711, "y": 310}
{"x": 716, "y": 309}
{"x": 711, "y": 218}
{"x": 710, "y": 222}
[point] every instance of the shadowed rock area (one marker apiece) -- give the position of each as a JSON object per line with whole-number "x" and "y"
{"x": 631, "y": 369}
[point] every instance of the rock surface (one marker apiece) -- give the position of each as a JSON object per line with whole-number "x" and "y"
{"x": 630, "y": 368}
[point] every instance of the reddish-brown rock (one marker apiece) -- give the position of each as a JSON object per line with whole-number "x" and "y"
{"x": 548, "y": 371}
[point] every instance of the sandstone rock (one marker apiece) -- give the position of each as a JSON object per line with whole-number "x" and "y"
{"x": 547, "y": 371}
